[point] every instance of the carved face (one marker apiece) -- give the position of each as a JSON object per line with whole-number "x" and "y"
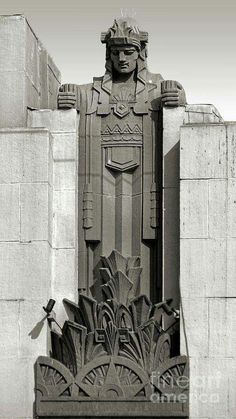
{"x": 124, "y": 58}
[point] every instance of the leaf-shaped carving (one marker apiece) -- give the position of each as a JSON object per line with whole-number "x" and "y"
{"x": 114, "y": 305}
{"x": 73, "y": 311}
{"x": 115, "y": 262}
{"x": 162, "y": 350}
{"x": 133, "y": 262}
{"x": 133, "y": 350}
{"x": 141, "y": 309}
{"x": 96, "y": 290}
{"x": 134, "y": 274}
{"x": 88, "y": 307}
{"x": 149, "y": 334}
{"x": 112, "y": 339}
{"x": 124, "y": 318}
{"x": 118, "y": 287}
{"x": 115, "y": 324}
{"x": 105, "y": 315}
{"x": 56, "y": 341}
{"x": 75, "y": 335}
{"x": 93, "y": 349}
{"x": 105, "y": 274}
{"x": 63, "y": 352}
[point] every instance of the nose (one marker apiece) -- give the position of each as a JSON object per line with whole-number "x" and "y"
{"x": 122, "y": 56}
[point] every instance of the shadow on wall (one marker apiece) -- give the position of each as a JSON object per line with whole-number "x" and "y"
{"x": 35, "y": 332}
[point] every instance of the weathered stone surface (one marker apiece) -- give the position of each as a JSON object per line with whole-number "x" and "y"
{"x": 231, "y": 388}
{"x": 28, "y": 152}
{"x": 65, "y": 282}
{"x": 231, "y": 137}
{"x": 12, "y": 43}
{"x": 9, "y": 214}
{"x": 194, "y": 209}
{"x": 63, "y": 126}
{"x": 208, "y": 276}
{"x": 231, "y": 209}
{"x": 32, "y": 58}
{"x": 10, "y": 150}
{"x": 32, "y": 327}
{"x": 209, "y": 387}
{"x": 199, "y": 113}
{"x": 54, "y": 120}
{"x": 25, "y": 270}
{"x": 17, "y": 388}
{"x": 9, "y": 326}
{"x": 64, "y": 219}
{"x": 172, "y": 120}
{"x": 64, "y": 145}
{"x": 231, "y": 267}
{"x": 62, "y": 230}
{"x": 64, "y": 175}
{"x": 222, "y": 313}
{"x": 22, "y": 60}
{"x": 171, "y": 244}
{"x": 217, "y": 209}
{"x": 195, "y": 325}
{"x": 35, "y": 152}
{"x": 195, "y": 117}
{"x": 14, "y": 92}
{"x": 207, "y": 271}
{"x": 203, "y": 151}
{"x": 35, "y": 211}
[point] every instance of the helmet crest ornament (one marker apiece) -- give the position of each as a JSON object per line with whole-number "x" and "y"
{"x": 125, "y": 31}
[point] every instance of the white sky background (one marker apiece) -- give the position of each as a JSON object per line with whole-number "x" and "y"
{"x": 193, "y": 42}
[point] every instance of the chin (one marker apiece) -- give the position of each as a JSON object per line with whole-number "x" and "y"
{"x": 125, "y": 70}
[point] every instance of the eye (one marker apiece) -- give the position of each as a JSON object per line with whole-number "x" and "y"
{"x": 129, "y": 52}
{"x": 115, "y": 52}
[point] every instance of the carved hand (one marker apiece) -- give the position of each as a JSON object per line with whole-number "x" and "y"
{"x": 67, "y": 96}
{"x": 173, "y": 94}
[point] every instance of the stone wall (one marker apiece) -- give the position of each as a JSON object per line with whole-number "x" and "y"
{"x": 207, "y": 266}
{"x": 173, "y": 119}
{"x": 63, "y": 127}
{"x": 25, "y": 260}
{"x": 38, "y": 173}
{"x": 29, "y": 78}
{"x": 37, "y": 245}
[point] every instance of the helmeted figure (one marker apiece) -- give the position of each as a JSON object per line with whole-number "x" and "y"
{"x": 120, "y": 157}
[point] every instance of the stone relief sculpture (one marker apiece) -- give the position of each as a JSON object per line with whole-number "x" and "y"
{"x": 120, "y": 156}
{"x": 115, "y": 343}
{"x": 113, "y": 350}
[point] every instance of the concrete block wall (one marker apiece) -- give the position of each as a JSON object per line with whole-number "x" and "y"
{"x": 207, "y": 266}
{"x": 38, "y": 175}
{"x": 63, "y": 127}
{"x": 38, "y": 178}
{"x": 173, "y": 119}
{"x": 28, "y": 75}
{"x": 25, "y": 260}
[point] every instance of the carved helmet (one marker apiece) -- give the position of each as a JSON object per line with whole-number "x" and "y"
{"x": 125, "y": 31}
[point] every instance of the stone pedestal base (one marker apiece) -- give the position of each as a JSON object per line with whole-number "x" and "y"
{"x": 108, "y": 409}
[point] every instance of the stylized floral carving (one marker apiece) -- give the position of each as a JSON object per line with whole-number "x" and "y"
{"x": 112, "y": 346}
